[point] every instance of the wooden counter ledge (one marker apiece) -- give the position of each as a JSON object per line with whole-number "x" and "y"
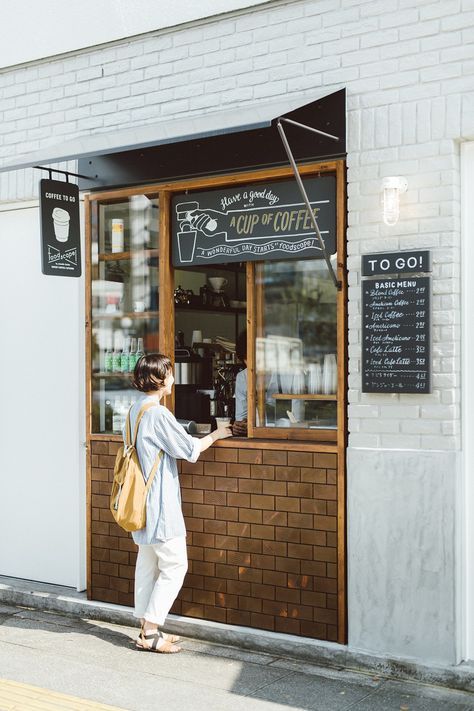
{"x": 292, "y": 445}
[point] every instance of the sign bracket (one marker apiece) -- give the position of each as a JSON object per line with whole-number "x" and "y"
{"x": 67, "y": 173}
{"x": 301, "y": 187}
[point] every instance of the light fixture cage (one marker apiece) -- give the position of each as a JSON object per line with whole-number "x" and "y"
{"x": 392, "y": 186}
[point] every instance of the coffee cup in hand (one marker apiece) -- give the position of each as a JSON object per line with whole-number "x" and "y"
{"x": 222, "y": 421}
{"x": 222, "y": 432}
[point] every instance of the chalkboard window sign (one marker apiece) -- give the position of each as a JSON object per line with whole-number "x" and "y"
{"x": 263, "y": 221}
{"x": 396, "y": 335}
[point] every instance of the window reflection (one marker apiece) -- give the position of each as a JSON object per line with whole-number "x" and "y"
{"x": 296, "y": 339}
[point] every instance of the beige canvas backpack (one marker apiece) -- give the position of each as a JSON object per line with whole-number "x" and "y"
{"x": 129, "y": 489}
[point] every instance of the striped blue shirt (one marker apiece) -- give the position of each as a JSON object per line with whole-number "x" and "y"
{"x": 159, "y": 430}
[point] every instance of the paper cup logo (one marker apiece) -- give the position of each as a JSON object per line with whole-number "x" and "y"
{"x": 190, "y": 221}
{"x": 61, "y": 220}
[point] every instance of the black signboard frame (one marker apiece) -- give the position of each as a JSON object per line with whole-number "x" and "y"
{"x": 60, "y": 229}
{"x": 263, "y": 221}
{"x": 396, "y": 335}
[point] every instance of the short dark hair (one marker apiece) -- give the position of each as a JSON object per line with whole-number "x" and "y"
{"x": 150, "y": 372}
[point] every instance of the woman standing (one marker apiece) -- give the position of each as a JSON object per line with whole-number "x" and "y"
{"x": 162, "y": 559}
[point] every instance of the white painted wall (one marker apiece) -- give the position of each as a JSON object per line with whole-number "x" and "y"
{"x": 402, "y": 517}
{"x": 467, "y": 185}
{"x": 42, "y": 471}
{"x": 33, "y": 30}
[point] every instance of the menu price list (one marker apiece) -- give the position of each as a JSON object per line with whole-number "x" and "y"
{"x": 396, "y": 335}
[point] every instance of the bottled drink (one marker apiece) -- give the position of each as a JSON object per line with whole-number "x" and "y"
{"x": 108, "y": 360}
{"x": 117, "y": 354}
{"x": 139, "y": 351}
{"x": 124, "y": 356}
{"x": 132, "y": 355}
{"x": 108, "y": 357}
{"x": 116, "y": 360}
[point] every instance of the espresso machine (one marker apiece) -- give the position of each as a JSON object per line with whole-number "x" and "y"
{"x": 193, "y": 374}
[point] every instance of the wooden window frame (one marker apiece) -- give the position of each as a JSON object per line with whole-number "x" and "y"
{"x": 165, "y": 191}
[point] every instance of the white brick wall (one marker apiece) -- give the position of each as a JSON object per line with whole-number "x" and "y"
{"x": 408, "y": 69}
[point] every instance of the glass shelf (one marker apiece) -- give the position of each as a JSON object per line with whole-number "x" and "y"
{"x": 126, "y": 256}
{"x": 303, "y": 396}
{"x": 120, "y": 315}
{"x": 112, "y": 375}
{"x": 211, "y": 309}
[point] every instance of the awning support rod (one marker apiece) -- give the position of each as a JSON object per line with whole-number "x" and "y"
{"x": 309, "y": 128}
{"x": 303, "y": 192}
{"x": 67, "y": 173}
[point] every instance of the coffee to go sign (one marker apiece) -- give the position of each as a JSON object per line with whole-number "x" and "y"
{"x": 60, "y": 229}
{"x": 254, "y": 222}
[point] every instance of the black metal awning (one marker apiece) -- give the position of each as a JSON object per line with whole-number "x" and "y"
{"x": 218, "y": 143}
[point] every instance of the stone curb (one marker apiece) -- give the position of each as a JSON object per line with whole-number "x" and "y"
{"x": 274, "y": 643}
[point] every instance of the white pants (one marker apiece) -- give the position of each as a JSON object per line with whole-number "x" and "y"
{"x": 159, "y": 575}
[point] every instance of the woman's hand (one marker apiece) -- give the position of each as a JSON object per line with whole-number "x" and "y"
{"x": 221, "y": 432}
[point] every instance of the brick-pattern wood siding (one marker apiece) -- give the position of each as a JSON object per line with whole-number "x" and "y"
{"x": 262, "y": 539}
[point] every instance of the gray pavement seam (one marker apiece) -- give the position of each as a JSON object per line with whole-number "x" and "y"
{"x": 17, "y": 644}
{"x": 236, "y": 651}
{"x": 354, "y": 704}
{"x": 269, "y": 683}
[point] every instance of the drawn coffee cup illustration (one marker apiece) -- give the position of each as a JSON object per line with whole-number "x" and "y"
{"x": 191, "y": 221}
{"x": 186, "y": 243}
{"x": 186, "y": 235}
{"x": 61, "y": 219}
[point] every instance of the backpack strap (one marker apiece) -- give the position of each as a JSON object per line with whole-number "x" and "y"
{"x": 153, "y": 472}
{"x": 142, "y": 411}
{"x": 128, "y": 428}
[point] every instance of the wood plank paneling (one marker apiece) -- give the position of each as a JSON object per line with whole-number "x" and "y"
{"x": 262, "y": 539}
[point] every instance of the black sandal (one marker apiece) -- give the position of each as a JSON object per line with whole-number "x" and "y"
{"x": 158, "y": 643}
{"x": 173, "y": 638}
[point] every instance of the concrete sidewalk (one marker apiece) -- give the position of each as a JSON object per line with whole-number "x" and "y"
{"x": 97, "y": 661}
{"x": 55, "y": 598}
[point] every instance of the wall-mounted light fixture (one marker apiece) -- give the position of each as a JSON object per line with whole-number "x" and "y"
{"x": 392, "y": 187}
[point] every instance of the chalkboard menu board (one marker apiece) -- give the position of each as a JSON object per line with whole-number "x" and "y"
{"x": 396, "y": 335}
{"x": 261, "y": 221}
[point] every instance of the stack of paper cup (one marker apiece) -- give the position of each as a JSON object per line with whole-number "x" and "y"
{"x": 61, "y": 220}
